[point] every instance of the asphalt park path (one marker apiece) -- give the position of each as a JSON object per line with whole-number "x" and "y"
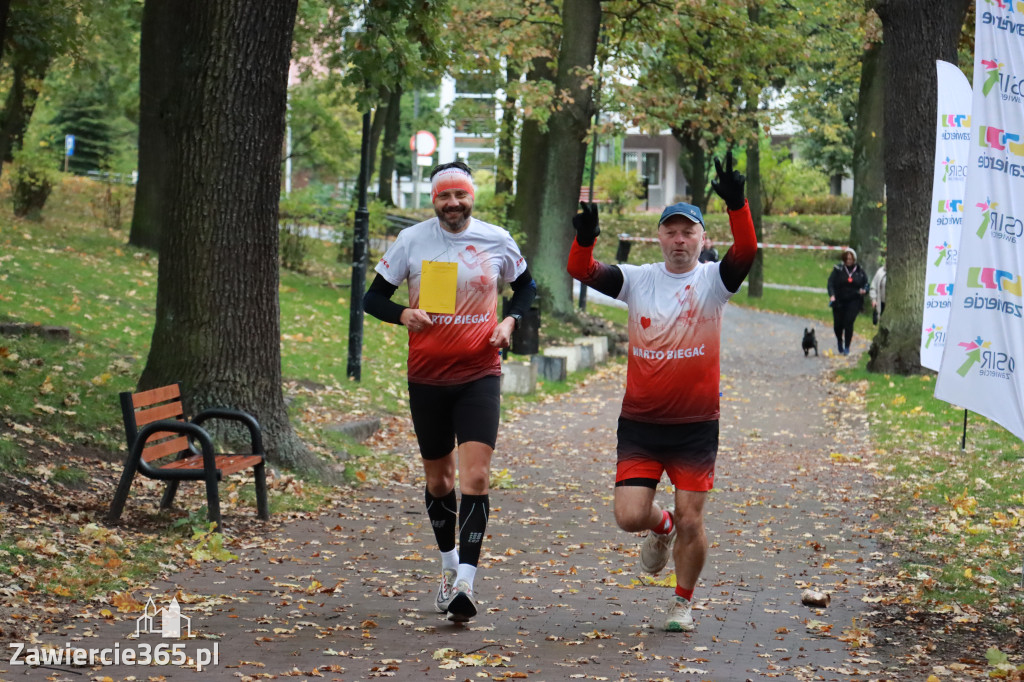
{"x": 349, "y": 595}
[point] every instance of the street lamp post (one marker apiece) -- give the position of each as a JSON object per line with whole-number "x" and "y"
{"x": 360, "y": 240}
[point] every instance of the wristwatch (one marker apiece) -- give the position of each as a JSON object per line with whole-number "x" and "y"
{"x": 518, "y": 319}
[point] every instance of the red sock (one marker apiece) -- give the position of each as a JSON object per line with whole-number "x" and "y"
{"x": 666, "y": 523}
{"x": 684, "y": 593}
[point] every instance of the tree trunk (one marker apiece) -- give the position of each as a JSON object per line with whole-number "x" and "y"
{"x": 867, "y": 220}
{"x": 755, "y": 280}
{"x": 694, "y": 162}
{"x": 376, "y": 130}
{"x": 217, "y": 311}
{"x": 387, "y": 155}
{"x": 20, "y": 103}
{"x": 505, "y": 170}
{"x": 161, "y": 48}
{"x": 5, "y": 10}
{"x": 919, "y": 31}
{"x": 551, "y": 164}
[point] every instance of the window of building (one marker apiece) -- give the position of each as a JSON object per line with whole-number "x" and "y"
{"x": 646, "y": 164}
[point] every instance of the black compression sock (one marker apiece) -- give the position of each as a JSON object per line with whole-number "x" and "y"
{"x": 443, "y": 515}
{"x": 473, "y": 512}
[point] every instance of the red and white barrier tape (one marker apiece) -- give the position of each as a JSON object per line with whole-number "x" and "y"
{"x": 627, "y": 238}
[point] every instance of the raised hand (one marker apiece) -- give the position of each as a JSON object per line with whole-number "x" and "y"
{"x": 729, "y": 184}
{"x": 586, "y": 224}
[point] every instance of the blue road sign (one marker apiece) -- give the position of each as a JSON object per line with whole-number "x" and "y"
{"x": 69, "y": 145}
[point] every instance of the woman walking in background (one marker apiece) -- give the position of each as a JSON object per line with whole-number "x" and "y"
{"x": 847, "y": 285}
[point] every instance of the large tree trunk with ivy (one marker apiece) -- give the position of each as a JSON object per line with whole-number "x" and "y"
{"x": 217, "y": 311}
{"x": 164, "y": 28}
{"x": 919, "y": 32}
{"x": 552, "y": 160}
{"x": 867, "y": 216}
{"x": 392, "y": 121}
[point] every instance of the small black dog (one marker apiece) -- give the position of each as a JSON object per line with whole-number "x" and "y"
{"x": 809, "y": 341}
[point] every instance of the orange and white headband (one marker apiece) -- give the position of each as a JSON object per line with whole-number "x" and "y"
{"x": 451, "y": 178}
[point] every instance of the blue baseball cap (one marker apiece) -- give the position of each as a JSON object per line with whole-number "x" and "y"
{"x": 686, "y": 210}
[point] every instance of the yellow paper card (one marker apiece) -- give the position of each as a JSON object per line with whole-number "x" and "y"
{"x": 438, "y": 282}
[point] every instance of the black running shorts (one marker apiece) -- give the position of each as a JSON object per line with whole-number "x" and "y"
{"x": 687, "y": 452}
{"x": 465, "y": 412}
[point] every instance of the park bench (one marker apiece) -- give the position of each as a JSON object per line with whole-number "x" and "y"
{"x": 585, "y": 197}
{"x": 161, "y": 446}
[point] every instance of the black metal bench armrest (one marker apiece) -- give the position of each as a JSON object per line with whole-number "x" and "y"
{"x": 193, "y": 431}
{"x": 255, "y": 435}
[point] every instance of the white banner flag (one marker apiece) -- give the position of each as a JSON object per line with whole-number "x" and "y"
{"x": 985, "y": 338}
{"x": 952, "y": 149}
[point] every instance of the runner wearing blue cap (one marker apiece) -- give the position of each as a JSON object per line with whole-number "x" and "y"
{"x": 669, "y": 418}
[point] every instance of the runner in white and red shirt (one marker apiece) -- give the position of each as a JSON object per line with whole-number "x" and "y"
{"x": 454, "y": 363}
{"x": 669, "y": 419}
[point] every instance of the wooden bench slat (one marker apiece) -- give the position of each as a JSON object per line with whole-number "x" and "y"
{"x": 168, "y": 411}
{"x": 156, "y": 395}
{"x": 227, "y": 464}
{"x": 161, "y": 449}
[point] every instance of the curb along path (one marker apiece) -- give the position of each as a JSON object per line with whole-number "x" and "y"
{"x": 349, "y": 595}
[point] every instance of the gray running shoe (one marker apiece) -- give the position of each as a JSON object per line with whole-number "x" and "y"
{"x": 445, "y": 590}
{"x": 462, "y": 607}
{"x": 655, "y": 551}
{"x": 679, "y": 617}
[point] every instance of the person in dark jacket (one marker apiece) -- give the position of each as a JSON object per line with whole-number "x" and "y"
{"x": 847, "y": 285}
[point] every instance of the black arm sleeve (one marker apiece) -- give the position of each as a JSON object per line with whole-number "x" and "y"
{"x": 377, "y": 301}
{"x": 524, "y": 290}
{"x": 608, "y": 279}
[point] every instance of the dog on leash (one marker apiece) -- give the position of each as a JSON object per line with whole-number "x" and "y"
{"x": 809, "y": 342}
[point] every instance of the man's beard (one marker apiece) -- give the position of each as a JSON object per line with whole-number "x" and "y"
{"x": 454, "y": 221}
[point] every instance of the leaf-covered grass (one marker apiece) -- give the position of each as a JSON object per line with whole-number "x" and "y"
{"x": 956, "y": 515}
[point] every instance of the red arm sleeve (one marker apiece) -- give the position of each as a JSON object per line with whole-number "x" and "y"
{"x": 740, "y": 256}
{"x": 604, "y": 278}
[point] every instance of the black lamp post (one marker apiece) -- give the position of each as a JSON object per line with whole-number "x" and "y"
{"x": 360, "y": 240}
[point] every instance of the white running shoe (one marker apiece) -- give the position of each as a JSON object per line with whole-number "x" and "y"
{"x": 461, "y": 607}
{"x": 445, "y": 590}
{"x": 655, "y": 551}
{"x": 679, "y": 617}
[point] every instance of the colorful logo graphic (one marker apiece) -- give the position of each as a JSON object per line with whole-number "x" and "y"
{"x": 951, "y": 205}
{"x": 986, "y": 214}
{"x": 1006, "y": 4}
{"x": 955, "y": 120}
{"x": 999, "y": 225}
{"x": 994, "y": 364}
{"x": 993, "y": 278}
{"x": 973, "y": 350}
{"x": 992, "y": 74}
{"x": 936, "y": 334}
{"x": 953, "y": 171}
{"x": 1000, "y": 139}
{"x": 937, "y": 289}
{"x": 946, "y": 253}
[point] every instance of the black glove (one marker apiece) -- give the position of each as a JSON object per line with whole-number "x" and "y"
{"x": 586, "y": 225}
{"x": 729, "y": 184}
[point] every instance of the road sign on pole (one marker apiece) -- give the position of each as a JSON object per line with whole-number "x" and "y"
{"x": 69, "y": 149}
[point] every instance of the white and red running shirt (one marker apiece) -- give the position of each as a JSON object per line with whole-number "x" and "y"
{"x": 675, "y": 324}
{"x": 456, "y": 349}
